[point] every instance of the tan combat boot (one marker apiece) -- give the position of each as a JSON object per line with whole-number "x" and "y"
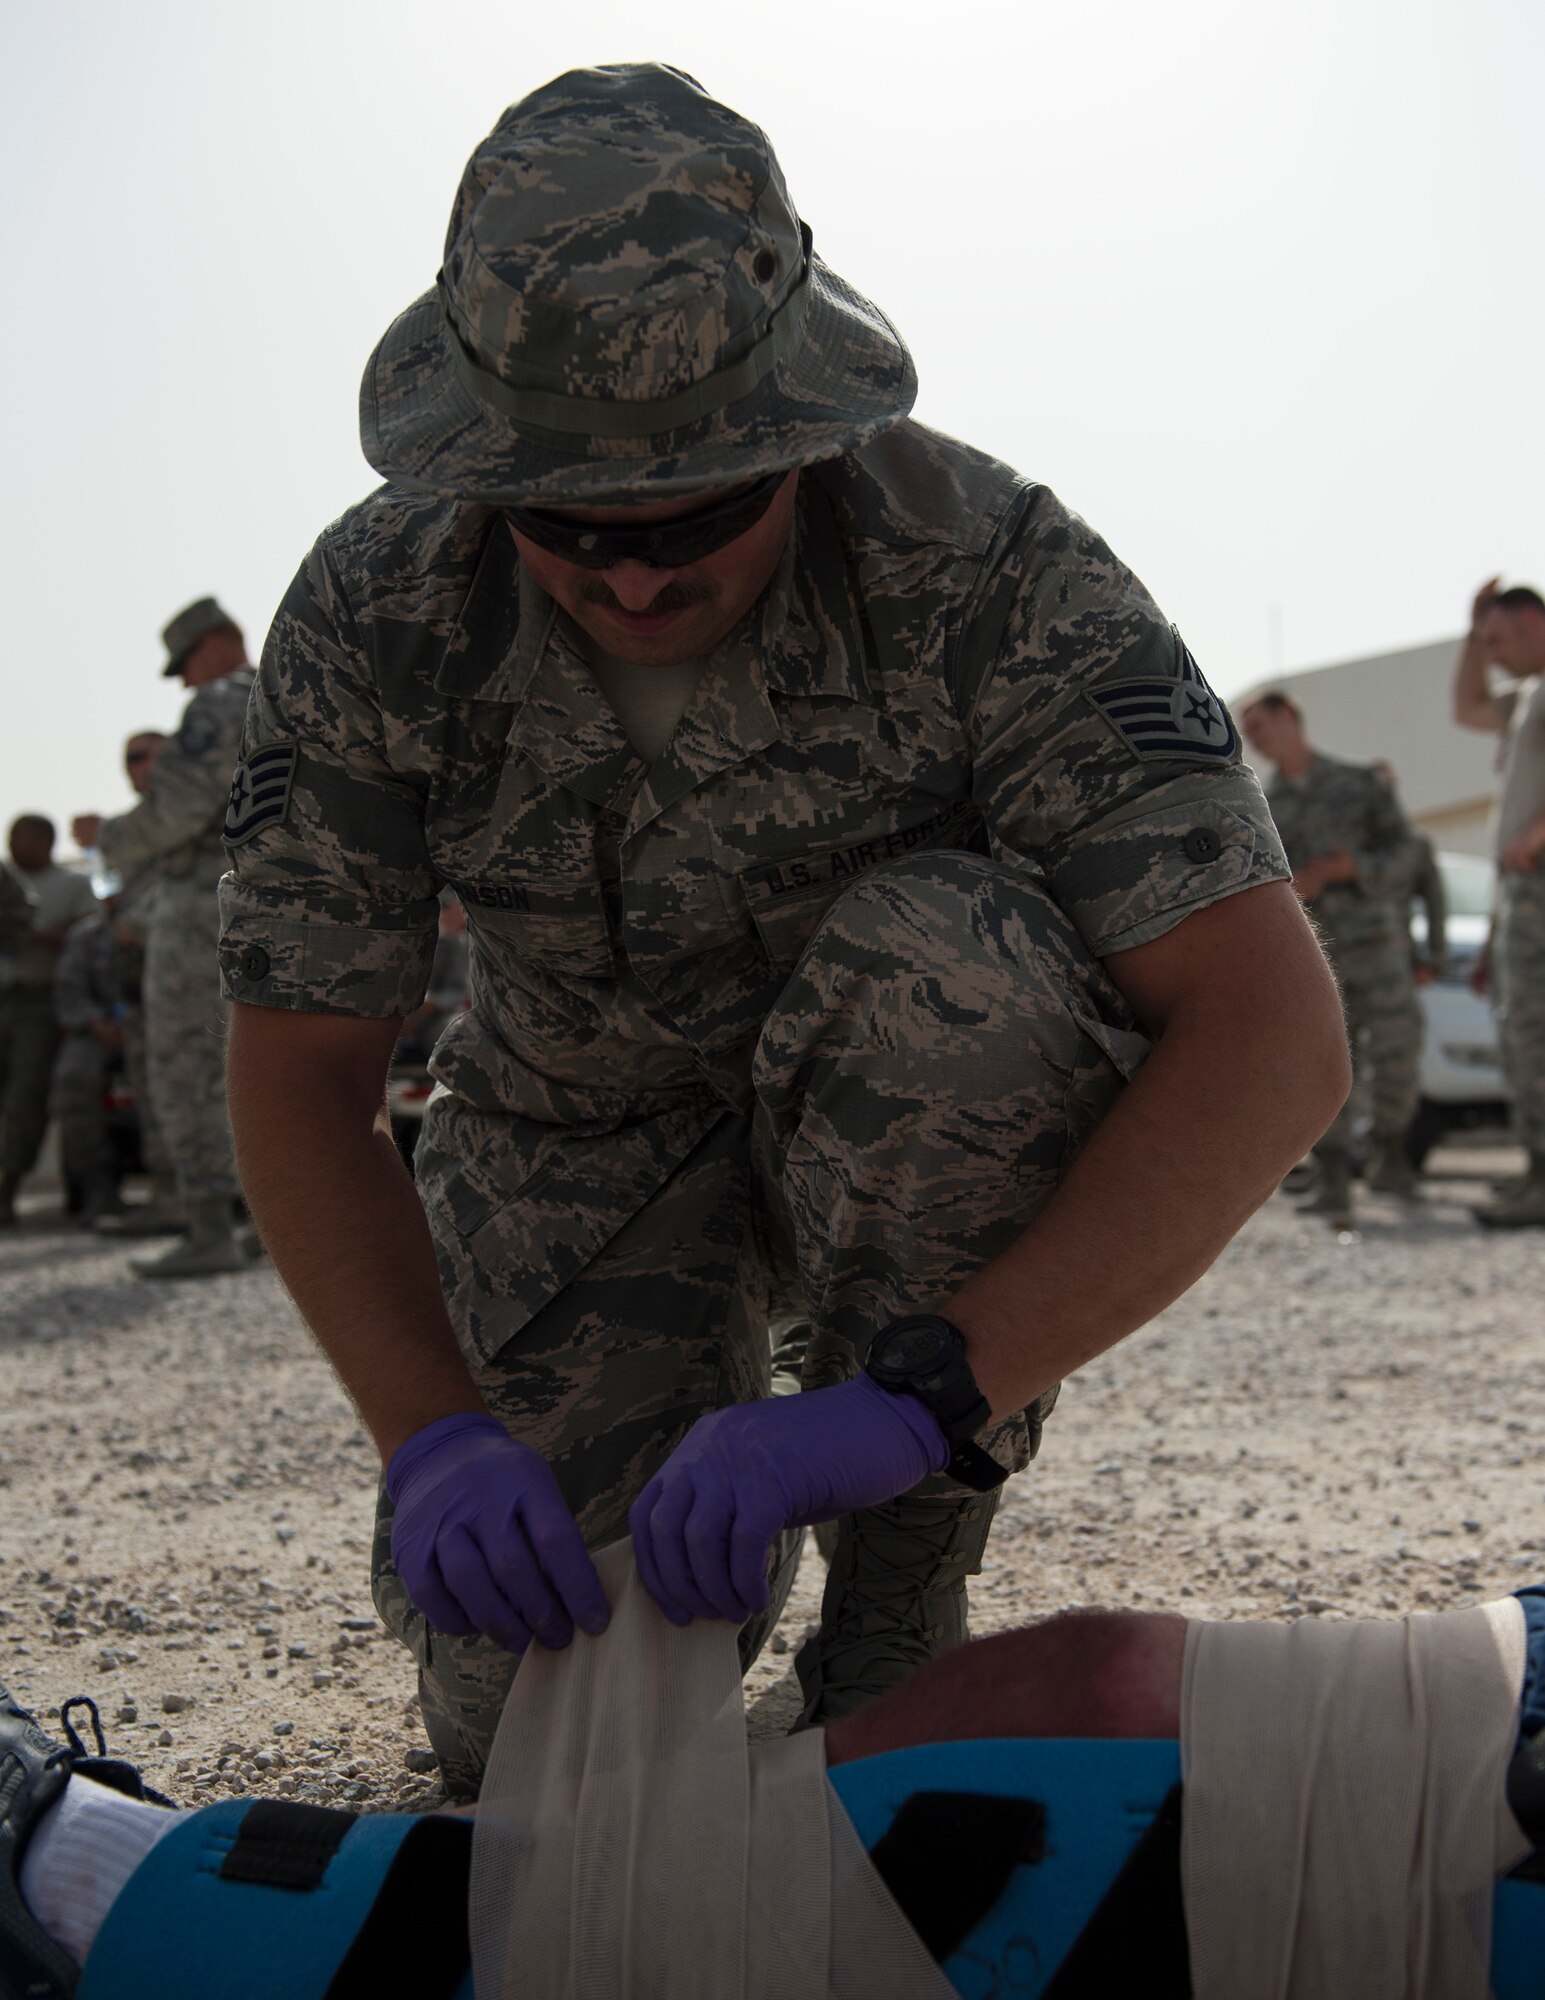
{"x": 895, "y": 1597}
{"x": 209, "y": 1250}
{"x": 1332, "y": 1197}
{"x": 1389, "y": 1170}
{"x": 1524, "y": 1206}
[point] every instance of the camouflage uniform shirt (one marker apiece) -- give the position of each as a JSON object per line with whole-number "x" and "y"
{"x": 946, "y": 658}
{"x": 1341, "y": 804}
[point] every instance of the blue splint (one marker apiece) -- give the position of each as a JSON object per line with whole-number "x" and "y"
{"x": 185, "y": 1930}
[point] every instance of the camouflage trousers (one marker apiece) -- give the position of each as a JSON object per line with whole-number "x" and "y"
{"x": 185, "y": 1037}
{"x": 29, "y": 1035}
{"x": 1384, "y": 1030}
{"x": 1518, "y": 976}
{"x": 943, "y": 1049}
{"x": 136, "y": 1074}
{"x": 81, "y": 1071}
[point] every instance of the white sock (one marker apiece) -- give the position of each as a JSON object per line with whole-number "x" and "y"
{"x": 87, "y": 1845}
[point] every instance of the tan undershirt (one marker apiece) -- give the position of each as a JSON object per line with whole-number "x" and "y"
{"x": 647, "y": 701}
{"x": 1523, "y": 767}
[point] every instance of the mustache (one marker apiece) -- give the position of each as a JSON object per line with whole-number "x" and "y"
{"x": 679, "y": 594}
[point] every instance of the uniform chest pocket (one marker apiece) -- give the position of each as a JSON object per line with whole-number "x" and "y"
{"x": 561, "y": 927}
{"x": 788, "y": 898}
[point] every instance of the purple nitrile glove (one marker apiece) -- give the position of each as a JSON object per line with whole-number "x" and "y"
{"x": 482, "y": 1538}
{"x": 703, "y": 1524}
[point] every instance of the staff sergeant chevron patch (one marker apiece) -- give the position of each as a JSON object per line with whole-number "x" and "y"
{"x": 1179, "y": 719}
{"x": 260, "y": 792}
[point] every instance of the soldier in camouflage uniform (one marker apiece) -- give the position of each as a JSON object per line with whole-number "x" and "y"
{"x": 1507, "y": 630}
{"x": 837, "y": 822}
{"x": 1352, "y": 854}
{"x": 176, "y": 826}
{"x": 90, "y": 1016}
{"x": 136, "y": 901}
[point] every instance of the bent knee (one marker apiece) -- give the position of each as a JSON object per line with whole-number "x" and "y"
{"x": 1081, "y": 1673}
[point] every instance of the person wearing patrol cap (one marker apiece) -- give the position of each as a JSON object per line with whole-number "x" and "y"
{"x": 874, "y": 930}
{"x": 174, "y": 828}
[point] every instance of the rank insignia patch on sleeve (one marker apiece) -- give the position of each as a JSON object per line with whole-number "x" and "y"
{"x": 260, "y": 792}
{"x": 1162, "y": 718}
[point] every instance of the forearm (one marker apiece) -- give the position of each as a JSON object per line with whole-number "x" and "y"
{"x": 157, "y": 826}
{"x": 342, "y": 1221}
{"x": 1473, "y": 707}
{"x": 1242, "y": 1079}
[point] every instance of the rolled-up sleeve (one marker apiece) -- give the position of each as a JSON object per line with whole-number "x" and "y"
{"x": 330, "y": 905}
{"x": 1099, "y": 752}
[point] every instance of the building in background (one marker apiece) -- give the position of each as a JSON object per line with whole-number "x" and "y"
{"x": 1396, "y": 706}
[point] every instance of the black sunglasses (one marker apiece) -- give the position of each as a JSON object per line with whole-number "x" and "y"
{"x": 660, "y": 544}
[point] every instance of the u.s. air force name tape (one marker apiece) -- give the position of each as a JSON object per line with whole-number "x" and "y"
{"x": 260, "y": 792}
{"x": 1169, "y": 718}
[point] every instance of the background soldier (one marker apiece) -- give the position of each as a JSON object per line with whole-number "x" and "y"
{"x": 29, "y": 1032}
{"x": 1350, "y": 849}
{"x": 1507, "y": 629}
{"x": 176, "y": 826}
{"x": 135, "y": 904}
{"x": 87, "y": 985}
{"x": 17, "y": 910}
{"x": 733, "y": 706}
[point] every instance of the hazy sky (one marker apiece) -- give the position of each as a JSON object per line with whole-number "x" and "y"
{"x": 1257, "y": 288}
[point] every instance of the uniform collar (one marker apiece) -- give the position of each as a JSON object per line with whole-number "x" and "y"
{"x": 497, "y": 639}
{"x": 815, "y": 640}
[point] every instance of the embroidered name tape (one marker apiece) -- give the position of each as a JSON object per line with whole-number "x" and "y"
{"x": 260, "y": 792}
{"x": 1179, "y": 718}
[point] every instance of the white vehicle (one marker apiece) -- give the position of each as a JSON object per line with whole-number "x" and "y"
{"x": 1462, "y": 1082}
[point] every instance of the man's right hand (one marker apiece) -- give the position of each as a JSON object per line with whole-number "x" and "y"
{"x": 1485, "y": 597}
{"x": 483, "y": 1539}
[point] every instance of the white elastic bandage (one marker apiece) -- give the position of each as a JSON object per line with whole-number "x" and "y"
{"x": 630, "y": 1842}
{"x": 1345, "y": 1816}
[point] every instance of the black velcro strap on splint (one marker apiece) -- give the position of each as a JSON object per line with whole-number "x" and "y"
{"x": 947, "y": 1856}
{"x": 286, "y": 1846}
{"x": 1136, "y": 1940}
{"x": 415, "y": 1939}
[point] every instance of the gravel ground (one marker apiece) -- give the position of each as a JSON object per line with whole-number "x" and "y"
{"x": 1324, "y": 1426}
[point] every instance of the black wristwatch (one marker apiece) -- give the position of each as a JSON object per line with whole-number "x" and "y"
{"x": 924, "y": 1356}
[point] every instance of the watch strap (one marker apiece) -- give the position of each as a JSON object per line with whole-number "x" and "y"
{"x": 969, "y": 1465}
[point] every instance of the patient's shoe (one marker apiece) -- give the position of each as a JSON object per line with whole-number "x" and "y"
{"x": 34, "y": 1771}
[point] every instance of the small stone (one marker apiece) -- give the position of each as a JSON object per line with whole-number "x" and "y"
{"x": 777, "y": 1643}
{"x": 108, "y": 1660}
{"x": 298, "y": 1649}
{"x": 420, "y": 1760}
{"x": 323, "y": 1677}
{"x": 284, "y": 1729}
{"x": 165, "y": 1739}
{"x": 128, "y": 1711}
{"x": 358, "y": 1624}
{"x": 284, "y": 1534}
{"x": 176, "y": 1704}
{"x": 270, "y": 1652}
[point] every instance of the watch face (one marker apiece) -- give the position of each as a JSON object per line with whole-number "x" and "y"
{"x": 908, "y": 1348}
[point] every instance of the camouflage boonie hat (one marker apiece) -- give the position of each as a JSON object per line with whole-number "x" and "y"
{"x": 187, "y": 628}
{"x": 629, "y": 306}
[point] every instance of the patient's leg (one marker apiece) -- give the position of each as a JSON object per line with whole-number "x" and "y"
{"x": 1085, "y": 1673}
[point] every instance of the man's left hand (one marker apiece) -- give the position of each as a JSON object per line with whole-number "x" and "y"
{"x": 703, "y": 1525}
{"x": 1522, "y": 856}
